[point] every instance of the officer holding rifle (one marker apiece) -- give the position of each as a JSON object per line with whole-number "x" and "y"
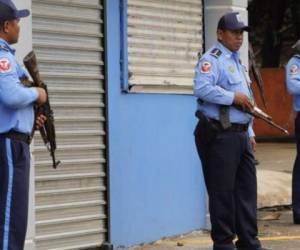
{"x": 225, "y": 139}
{"x": 16, "y": 126}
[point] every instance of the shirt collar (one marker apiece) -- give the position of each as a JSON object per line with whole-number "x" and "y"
{"x": 6, "y": 45}
{"x": 228, "y": 53}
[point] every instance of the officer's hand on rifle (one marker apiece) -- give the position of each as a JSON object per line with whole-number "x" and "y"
{"x": 243, "y": 101}
{"x": 42, "y": 97}
{"x": 40, "y": 121}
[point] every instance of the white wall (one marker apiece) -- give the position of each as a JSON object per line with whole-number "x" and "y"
{"x": 25, "y": 41}
{"x": 213, "y": 10}
{"x": 23, "y": 47}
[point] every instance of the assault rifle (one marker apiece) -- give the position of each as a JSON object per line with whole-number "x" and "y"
{"x": 48, "y": 130}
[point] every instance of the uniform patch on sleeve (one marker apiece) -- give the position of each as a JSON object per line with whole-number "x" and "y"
{"x": 294, "y": 69}
{"x": 5, "y": 65}
{"x": 205, "y": 67}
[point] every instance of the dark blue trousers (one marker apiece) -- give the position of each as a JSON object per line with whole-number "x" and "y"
{"x": 230, "y": 178}
{"x": 14, "y": 189}
{"x": 296, "y": 174}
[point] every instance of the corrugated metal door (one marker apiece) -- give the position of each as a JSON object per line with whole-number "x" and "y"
{"x": 71, "y": 201}
{"x": 164, "y": 39}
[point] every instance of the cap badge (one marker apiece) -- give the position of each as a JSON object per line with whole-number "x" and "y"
{"x": 239, "y": 18}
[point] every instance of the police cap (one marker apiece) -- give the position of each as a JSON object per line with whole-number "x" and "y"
{"x": 8, "y": 11}
{"x": 232, "y": 21}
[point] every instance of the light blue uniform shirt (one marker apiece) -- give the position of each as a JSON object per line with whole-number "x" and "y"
{"x": 16, "y": 100}
{"x": 293, "y": 80}
{"x": 218, "y": 75}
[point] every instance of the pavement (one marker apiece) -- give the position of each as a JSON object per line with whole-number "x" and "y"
{"x": 276, "y": 156}
{"x": 274, "y": 173}
{"x": 275, "y": 232}
{"x": 276, "y": 229}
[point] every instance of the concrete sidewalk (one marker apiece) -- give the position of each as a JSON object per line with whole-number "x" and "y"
{"x": 276, "y": 229}
{"x": 276, "y": 156}
{"x": 277, "y": 234}
{"x": 274, "y": 173}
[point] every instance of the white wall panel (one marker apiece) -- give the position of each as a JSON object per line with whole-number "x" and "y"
{"x": 164, "y": 40}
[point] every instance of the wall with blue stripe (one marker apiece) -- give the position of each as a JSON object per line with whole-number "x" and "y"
{"x": 156, "y": 184}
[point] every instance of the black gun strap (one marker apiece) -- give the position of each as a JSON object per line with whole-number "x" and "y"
{"x": 224, "y": 116}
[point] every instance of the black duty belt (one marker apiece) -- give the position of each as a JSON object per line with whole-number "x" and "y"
{"x": 16, "y": 136}
{"x": 235, "y": 127}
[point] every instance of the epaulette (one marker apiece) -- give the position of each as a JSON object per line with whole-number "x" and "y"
{"x": 216, "y": 53}
{"x": 2, "y": 47}
{"x": 296, "y": 55}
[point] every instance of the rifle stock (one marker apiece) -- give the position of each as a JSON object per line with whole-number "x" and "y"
{"x": 48, "y": 130}
{"x": 30, "y": 63}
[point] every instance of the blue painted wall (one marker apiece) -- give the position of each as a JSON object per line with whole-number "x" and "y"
{"x": 156, "y": 184}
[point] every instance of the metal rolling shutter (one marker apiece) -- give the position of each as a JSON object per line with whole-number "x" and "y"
{"x": 164, "y": 39}
{"x": 71, "y": 201}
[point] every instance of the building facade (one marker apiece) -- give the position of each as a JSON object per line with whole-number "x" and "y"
{"x": 120, "y": 76}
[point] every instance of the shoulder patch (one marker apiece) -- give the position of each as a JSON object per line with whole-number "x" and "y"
{"x": 205, "y": 67}
{"x": 4, "y": 48}
{"x": 5, "y": 65}
{"x": 216, "y": 53}
{"x": 294, "y": 69}
{"x": 296, "y": 55}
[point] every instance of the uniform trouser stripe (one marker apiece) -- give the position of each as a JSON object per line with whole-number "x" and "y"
{"x": 9, "y": 193}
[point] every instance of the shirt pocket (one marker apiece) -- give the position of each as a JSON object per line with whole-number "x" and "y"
{"x": 233, "y": 78}
{"x": 234, "y": 81}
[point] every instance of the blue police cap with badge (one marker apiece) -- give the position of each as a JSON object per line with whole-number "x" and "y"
{"x": 8, "y": 11}
{"x": 232, "y": 21}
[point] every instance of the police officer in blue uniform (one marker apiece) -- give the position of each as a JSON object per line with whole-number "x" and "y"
{"x": 225, "y": 139}
{"x": 293, "y": 86}
{"x": 16, "y": 126}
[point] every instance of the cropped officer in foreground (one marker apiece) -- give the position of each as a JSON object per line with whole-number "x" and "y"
{"x": 293, "y": 86}
{"x": 225, "y": 140}
{"x": 16, "y": 125}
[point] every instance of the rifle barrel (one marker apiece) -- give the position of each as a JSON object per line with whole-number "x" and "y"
{"x": 275, "y": 125}
{"x": 267, "y": 120}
